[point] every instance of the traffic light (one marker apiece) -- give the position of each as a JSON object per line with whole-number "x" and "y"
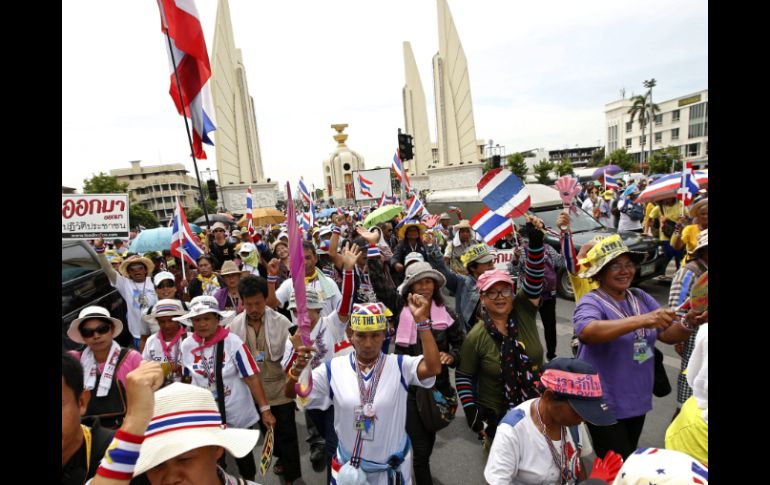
{"x": 212, "y": 189}
{"x": 405, "y": 146}
{"x": 495, "y": 161}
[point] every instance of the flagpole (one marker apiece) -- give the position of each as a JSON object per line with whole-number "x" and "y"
{"x": 184, "y": 115}
{"x": 181, "y": 233}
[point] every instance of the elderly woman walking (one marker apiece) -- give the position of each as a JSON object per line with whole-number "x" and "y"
{"x": 166, "y": 344}
{"x": 617, "y": 328}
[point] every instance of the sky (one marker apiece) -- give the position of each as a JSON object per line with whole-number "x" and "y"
{"x": 540, "y": 74}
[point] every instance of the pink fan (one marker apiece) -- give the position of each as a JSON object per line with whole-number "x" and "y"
{"x": 568, "y": 189}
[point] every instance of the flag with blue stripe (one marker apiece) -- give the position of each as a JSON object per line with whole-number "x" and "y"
{"x": 491, "y": 226}
{"x": 504, "y": 193}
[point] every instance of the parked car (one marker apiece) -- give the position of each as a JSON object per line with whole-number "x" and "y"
{"x": 547, "y": 205}
{"x": 84, "y": 283}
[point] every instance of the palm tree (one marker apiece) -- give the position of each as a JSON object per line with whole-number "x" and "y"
{"x": 643, "y": 110}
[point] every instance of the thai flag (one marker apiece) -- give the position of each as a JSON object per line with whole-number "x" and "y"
{"x": 415, "y": 208}
{"x": 398, "y": 168}
{"x": 249, "y": 213}
{"x": 491, "y": 226}
{"x": 180, "y": 20}
{"x": 182, "y": 245}
{"x": 610, "y": 183}
{"x": 383, "y": 200}
{"x": 306, "y": 197}
{"x": 688, "y": 187}
{"x": 504, "y": 193}
{"x": 366, "y": 186}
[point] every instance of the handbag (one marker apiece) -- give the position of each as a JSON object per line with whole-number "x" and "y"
{"x": 661, "y": 387}
{"x": 668, "y": 228}
{"x": 436, "y": 409}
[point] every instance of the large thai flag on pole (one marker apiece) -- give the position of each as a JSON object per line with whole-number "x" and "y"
{"x": 504, "y": 193}
{"x": 398, "y": 168}
{"x": 688, "y": 186}
{"x": 491, "y": 226}
{"x": 190, "y": 62}
{"x": 250, "y": 213}
{"x": 366, "y": 186}
{"x": 182, "y": 242}
{"x": 610, "y": 183}
{"x": 304, "y": 192}
{"x": 383, "y": 200}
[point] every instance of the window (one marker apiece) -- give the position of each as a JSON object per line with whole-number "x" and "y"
{"x": 612, "y": 138}
{"x": 76, "y": 262}
{"x": 675, "y": 115}
{"x": 696, "y": 130}
{"x": 675, "y": 134}
{"x": 698, "y": 111}
{"x": 628, "y": 142}
{"x": 629, "y": 126}
{"x": 659, "y": 137}
{"x": 692, "y": 150}
{"x": 658, "y": 119}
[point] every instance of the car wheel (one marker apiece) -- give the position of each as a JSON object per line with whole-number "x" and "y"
{"x": 564, "y": 285}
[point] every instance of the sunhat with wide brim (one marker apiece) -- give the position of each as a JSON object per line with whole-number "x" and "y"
{"x": 311, "y": 296}
{"x": 463, "y": 224}
{"x": 604, "y": 252}
{"x": 578, "y": 381}
{"x": 147, "y": 262}
{"x": 417, "y": 271}
{"x": 419, "y": 225}
{"x": 229, "y": 267}
{"x": 704, "y": 202}
{"x": 89, "y": 313}
{"x": 201, "y": 305}
{"x": 186, "y": 417}
{"x": 164, "y": 308}
{"x": 478, "y": 253}
{"x": 702, "y": 241}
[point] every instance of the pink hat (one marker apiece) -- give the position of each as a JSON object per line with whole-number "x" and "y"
{"x": 491, "y": 277}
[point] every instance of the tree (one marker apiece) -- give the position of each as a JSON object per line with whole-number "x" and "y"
{"x": 517, "y": 165}
{"x": 564, "y": 167}
{"x": 666, "y": 161}
{"x": 139, "y": 216}
{"x": 621, "y": 158}
{"x": 542, "y": 169}
{"x": 596, "y": 158}
{"x": 319, "y": 194}
{"x": 104, "y": 184}
{"x": 640, "y": 109}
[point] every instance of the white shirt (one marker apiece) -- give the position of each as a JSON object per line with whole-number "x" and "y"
{"x": 330, "y": 302}
{"x": 131, "y": 292}
{"x": 588, "y": 205}
{"x": 239, "y": 404}
{"x": 521, "y": 456}
{"x": 389, "y": 402}
{"x": 328, "y": 333}
{"x": 153, "y": 350}
{"x": 626, "y": 223}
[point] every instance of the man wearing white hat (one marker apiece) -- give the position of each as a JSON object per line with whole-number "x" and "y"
{"x": 166, "y": 344}
{"x": 134, "y": 283}
{"x": 250, "y": 258}
{"x": 458, "y": 246}
{"x": 175, "y": 435}
{"x": 233, "y": 378}
{"x": 222, "y": 249}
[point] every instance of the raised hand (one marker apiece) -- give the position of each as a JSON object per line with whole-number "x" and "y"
{"x": 370, "y": 236}
{"x": 419, "y": 306}
{"x": 273, "y": 267}
{"x": 350, "y": 256}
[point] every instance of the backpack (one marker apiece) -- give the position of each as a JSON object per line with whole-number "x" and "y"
{"x": 634, "y": 211}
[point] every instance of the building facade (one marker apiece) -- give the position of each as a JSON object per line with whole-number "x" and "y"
{"x": 681, "y": 122}
{"x": 156, "y": 188}
{"x": 579, "y": 156}
{"x": 338, "y": 169}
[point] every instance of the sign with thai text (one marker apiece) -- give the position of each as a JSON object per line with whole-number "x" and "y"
{"x": 89, "y": 216}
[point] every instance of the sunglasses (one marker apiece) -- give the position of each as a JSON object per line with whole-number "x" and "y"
{"x": 101, "y": 330}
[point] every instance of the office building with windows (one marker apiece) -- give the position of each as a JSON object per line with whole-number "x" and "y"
{"x": 681, "y": 122}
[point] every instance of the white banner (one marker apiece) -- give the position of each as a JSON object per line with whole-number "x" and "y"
{"x": 380, "y": 182}
{"x": 502, "y": 258}
{"x": 92, "y": 215}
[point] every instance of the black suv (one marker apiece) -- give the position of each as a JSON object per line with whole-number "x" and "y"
{"x": 84, "y": 283}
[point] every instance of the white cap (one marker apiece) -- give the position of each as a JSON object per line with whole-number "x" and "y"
{"x": 162, "y": 276}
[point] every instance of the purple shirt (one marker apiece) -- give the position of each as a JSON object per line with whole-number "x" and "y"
{"x": 626, "y": 383}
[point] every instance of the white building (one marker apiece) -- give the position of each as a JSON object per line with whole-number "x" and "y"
{"x": 681, "y": 122}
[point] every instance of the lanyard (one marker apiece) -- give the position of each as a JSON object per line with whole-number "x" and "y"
{"x": 615, "y": 308}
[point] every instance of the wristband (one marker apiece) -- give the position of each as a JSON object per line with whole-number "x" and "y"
{"x": 99, "y": 250}
{"x": 272, "y": 279}
{"x": 426, "y": 325}
{"x": 336, "y": 230}
{"x": 121, "y": 456}
{"x": 373, "y": 251}
{"x": 291, "y": 375}
{"x": 264, "y": 408}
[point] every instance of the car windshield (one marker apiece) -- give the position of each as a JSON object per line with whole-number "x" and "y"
{"x": 580, "y": 222}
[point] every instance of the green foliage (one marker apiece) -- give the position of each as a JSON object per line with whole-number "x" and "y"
{"x": 666, "y": 161}
{"x": 622, "y": 159}
{"x": 104, "y": 184}
{"x": 542, "y": 168}
{"x": 319, "y": 193}
{"x": 139, "y": 216}
{"x": 517, "y": 165}
{"x": 596, "y": 158}
{"x": 564, "y": 167}
{"x": 196, "y": 212}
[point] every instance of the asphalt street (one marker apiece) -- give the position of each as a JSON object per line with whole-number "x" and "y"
{"x": 458, "y": 457}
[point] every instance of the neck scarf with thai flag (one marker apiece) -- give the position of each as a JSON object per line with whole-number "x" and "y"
{"x": 688, "y": 186}
{"x": 504, "y": 193}
{"x": 182, "y": 242}
{"x": 398, "y": 169}
{"x": 190, "y": 62}
{"x": 306, "y": 197}
{"x": 491, "y": 226}
{"x": 610, "y": 183}
{"x": 365, "y": 185}
{"x": 297, "y": 270}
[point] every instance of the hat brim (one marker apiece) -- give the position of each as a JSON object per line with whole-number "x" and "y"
{"x": 405, "y": 227}
{"x": 428, "y": 273}
{"x": 186, "y": 319}
{"x": 74, "y": 332}
{"x": 591, "y": 411}
{"x": 635, "y": 256}
{"x": 127, "y": 262}
{"x": 161, "y": 448}
{"x": 484, "y": 258}
{"x": 153, "y": 317}
{"x": 498, "y": 279}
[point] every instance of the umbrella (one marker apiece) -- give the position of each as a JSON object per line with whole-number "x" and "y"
{"x": 268, "y": 215}
{"x": 156, "y": 239}
{"x": 628, "y": 191}
{"x": 383, "y": 214}
{"x": 223, "y": 218}
{"x": 666, "y": 187}
{"x": 610, "y": 169}
{"x": 326, "y": 212}
{"x": 195, "y": 228}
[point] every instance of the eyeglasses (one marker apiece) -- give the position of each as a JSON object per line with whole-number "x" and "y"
{"x": 166, "y": 284}
{"x": 496, "y": 294}
{"x": 219, "y": 230}
{"x": 618, "y": 266}
{"x": 101, "y": 330}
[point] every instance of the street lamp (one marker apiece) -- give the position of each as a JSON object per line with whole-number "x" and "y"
{"x": 649, "y": 85}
